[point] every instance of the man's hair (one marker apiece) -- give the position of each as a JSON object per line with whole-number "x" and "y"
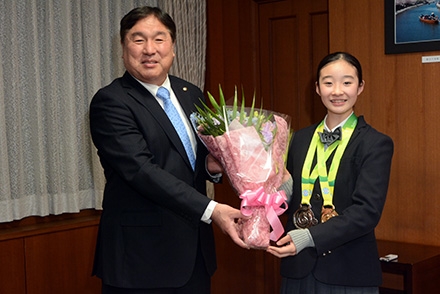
{"x": 131, "y": 18}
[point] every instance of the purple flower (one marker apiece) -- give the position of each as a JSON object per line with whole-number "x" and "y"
{"x": 267, "y": 132}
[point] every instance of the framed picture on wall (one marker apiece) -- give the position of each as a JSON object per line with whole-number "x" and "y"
{"x": 412, "y": 26}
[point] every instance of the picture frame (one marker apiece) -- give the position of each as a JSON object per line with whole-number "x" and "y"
{"x": 393, "y": 46}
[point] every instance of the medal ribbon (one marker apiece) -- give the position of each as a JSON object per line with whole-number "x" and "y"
{"x": 327, "y": 181}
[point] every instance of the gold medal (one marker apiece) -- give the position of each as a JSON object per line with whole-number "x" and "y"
{"x": 327, "y": 213}
{"x": 304, "y": 217}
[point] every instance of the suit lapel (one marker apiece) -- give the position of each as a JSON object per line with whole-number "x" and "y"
{"x": 184, "y": 96}
{"x": 187, "y": 100}
{"x": 147, "y": 100}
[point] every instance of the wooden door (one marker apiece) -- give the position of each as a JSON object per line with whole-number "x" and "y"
{"x": 293, "y": 38}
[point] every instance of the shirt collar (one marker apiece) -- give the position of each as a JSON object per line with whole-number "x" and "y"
{"x": 339, "y": 125}
{"x": 153, "y": 88}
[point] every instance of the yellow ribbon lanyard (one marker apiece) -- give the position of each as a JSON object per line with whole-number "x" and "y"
{"x": 327, "y": 182}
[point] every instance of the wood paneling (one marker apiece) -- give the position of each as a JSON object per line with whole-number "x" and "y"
{"x": 61, "y": 262}
{"x": 231, "y": 51}
{"x": 51, "y": 254}
{"x": 12, "y": 271}
{"x": 293, "y": 37}
{"x": 401, "y": 99}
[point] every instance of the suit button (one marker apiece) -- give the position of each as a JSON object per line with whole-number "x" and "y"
{"x": 325, "y": 253}
{"x": 318, "y": 196}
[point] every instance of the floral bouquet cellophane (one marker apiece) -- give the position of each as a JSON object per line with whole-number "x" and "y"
{"x": 251, "y": 146}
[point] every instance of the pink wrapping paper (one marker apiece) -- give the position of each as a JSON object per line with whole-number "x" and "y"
{"x": 255, "y": 170}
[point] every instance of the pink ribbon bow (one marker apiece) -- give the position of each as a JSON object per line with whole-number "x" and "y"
{"x": 273, "y": 205}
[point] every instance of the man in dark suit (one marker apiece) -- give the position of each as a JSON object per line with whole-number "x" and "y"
{"x": 155, "y": 234}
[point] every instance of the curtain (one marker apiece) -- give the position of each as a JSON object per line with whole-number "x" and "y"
{"x": 54, "y": 56}
{"x": 190, "y": 19}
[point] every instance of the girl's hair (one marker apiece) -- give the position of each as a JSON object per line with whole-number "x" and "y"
{"x": 340, "y": 56}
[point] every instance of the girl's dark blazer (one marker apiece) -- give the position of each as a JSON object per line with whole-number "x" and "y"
{"x": 345, "y": 250}
{"x": 151, "y": 227}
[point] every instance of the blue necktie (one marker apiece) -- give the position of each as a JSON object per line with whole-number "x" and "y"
{"x": 177, "y": 122}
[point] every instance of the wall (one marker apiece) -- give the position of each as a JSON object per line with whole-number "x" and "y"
{"x": 401, "y": 99}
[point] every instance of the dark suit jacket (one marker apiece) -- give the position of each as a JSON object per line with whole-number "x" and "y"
{"x": 346, "y": 251}
{"x": 153, "y": 200}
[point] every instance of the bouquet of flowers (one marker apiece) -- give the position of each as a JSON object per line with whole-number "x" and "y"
{"x": 251, "y": 145}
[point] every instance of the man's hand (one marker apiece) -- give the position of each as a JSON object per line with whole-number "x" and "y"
{"x": 224, "y": 216}
{"x": 213, "y": 166}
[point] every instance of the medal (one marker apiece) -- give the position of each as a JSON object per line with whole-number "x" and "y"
{"x": 327, "y": 213}
{"x": 304, "y": 217}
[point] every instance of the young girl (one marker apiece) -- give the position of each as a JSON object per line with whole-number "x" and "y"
{"x": 340, "y": 169}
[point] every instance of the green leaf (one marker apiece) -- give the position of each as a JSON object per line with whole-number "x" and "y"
{"x": 234, "y": 105}
{"x": 222, "y": 97}
{"x": 242, "y": 110}
{"x": 251, "y": 114}
{"x": 214, "y": 103}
